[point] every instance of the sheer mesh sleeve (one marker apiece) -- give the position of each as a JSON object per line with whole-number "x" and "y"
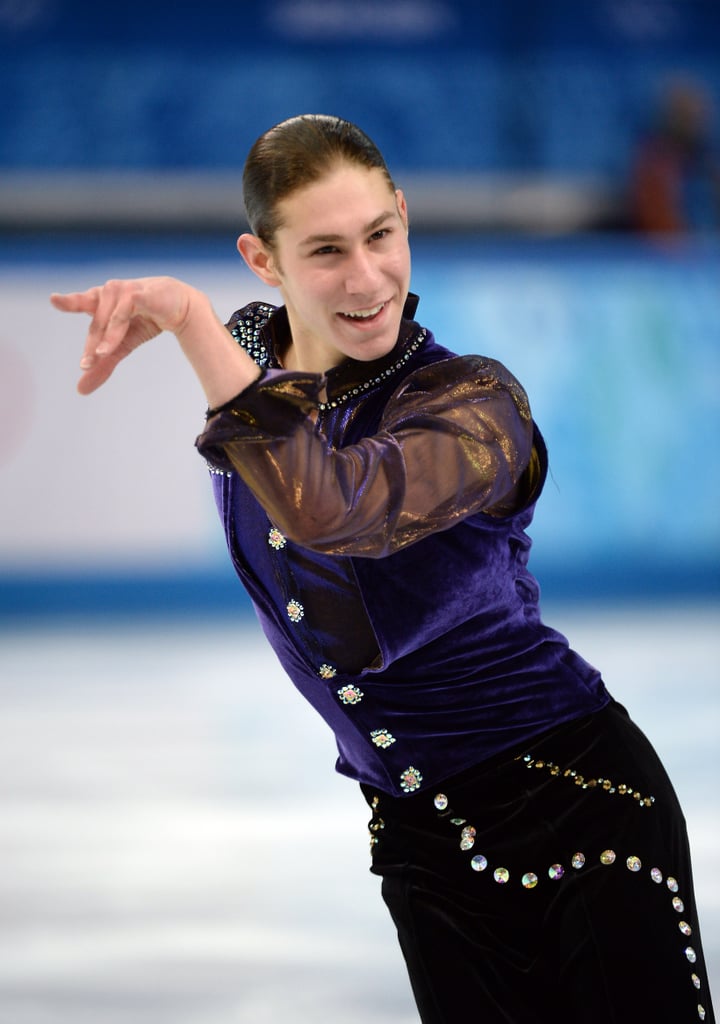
{"x": 456, "y": 438}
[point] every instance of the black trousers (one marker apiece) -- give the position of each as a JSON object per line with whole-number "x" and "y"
{"x": 551, "y": 886}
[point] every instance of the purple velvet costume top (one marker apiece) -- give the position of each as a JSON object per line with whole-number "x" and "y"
{"x": 380, "y": 533}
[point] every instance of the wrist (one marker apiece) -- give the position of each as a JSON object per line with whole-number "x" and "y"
{"x": 194, "y": 315}
{"x": 223, "y": 368}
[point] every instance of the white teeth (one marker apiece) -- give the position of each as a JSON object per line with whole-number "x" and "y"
{"x": 364, "y": 314}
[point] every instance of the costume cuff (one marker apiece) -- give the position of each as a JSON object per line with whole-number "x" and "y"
{"x": 271, "y": 408}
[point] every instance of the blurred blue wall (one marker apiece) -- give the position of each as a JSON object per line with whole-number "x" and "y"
{"x": 551, "y": 86}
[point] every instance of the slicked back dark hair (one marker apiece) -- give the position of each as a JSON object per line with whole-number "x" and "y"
{"x": 296, "y": 153}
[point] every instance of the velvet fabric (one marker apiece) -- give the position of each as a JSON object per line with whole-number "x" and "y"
{"x": 377, "y": 518}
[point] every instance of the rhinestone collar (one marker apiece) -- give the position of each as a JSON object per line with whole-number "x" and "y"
{"x": 262, "y": 329}
{"x": 417, "y": 342}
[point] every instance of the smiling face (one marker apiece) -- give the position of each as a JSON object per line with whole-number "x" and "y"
{"x": 341, "y": 260}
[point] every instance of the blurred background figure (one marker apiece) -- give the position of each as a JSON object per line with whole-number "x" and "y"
{"x": 675, "y": 183}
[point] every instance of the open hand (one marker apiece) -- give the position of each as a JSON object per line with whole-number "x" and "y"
{"x": 125, "y": 314}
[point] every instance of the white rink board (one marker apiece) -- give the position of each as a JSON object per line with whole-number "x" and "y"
{"x": 110, "y": 481}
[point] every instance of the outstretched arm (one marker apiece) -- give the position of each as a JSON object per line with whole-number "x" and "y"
{"x": 127, "y": 313}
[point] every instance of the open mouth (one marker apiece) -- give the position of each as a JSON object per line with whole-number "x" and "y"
{"x": 364, "y": 315}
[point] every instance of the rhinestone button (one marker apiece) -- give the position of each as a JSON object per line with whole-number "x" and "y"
{"x": 501, "y": 875}
{"x": 441, "y": 802}
{"x": 295, "y": 610}
{"x": 410, "y": 780}
{"x": 690, "y": 954}
{"x": 578, "y": 860}
{"x": 478, "y": 863}
{"x": 530, "y": 880}
{"x": 607, "y": 857}
{"x": 350, "y": 694}
{"x": 633, "y": 863}
{"x": 276, "y": 540}
{"x": 555, "y": 872}
{"x": 382, "y": 738}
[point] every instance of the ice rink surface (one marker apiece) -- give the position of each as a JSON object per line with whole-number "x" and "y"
{"x": 177, "y": 849}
